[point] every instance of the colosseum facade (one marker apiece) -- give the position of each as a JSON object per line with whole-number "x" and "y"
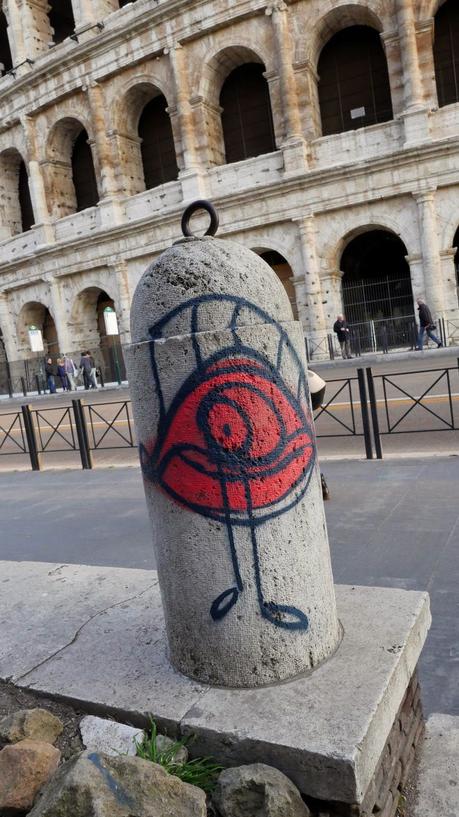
{"x": 326, "y": 132}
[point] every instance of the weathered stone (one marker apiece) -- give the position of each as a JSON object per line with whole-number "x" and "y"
{"x": 36, "y": 724}
{"x": 103, "y": 786}
{"x": 25, "y": 767}
{"x": 109, "y": 737}
{"x": 243, "y": 558}
{"x": 258, "y": 791}
{"x": 164, "y": 744}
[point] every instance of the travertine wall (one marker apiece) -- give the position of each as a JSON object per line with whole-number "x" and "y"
{"x": 306, "y": 200}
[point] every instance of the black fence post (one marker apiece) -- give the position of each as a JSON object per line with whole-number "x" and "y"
{"x": 365, "y": 415}
{"x": 374, "y": 414}
{"x": 23, "y": 384}
{"x": 101, "y": 377}
{"x": 306, "y": 345}
{"x": 331, "y": 350}
{"x": 31, "y": 438}
{"x": 82, "y": 434}
{"x": 37, "y": 381}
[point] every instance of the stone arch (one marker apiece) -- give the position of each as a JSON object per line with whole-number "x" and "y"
{"x": 16, "y": 211}
{"x": 6, "y": 58}
{"x": 446, "y": 52}
{"x": 65, "y": 190}
{"x": 338, "y": 18}
{"x": 283, "y": 269}
{"x": 35, "y": 313}
{"x": 216, "y": 71}
{"x": 87, "y": 327}
{"x": 145, "y": 138}
{"x": 354, "y": 88}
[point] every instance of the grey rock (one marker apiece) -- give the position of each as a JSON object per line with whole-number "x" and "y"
{"x": 258, "y": 791}
{"x": 103, "y": 786}
{"x": 164, "y": 744}
{"x": 109, "y": 737}
{"x": 36, "y": 724}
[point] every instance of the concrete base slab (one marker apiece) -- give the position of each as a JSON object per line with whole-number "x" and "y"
{"x": 438, "y": 789}
{"x": 96, "y": 636}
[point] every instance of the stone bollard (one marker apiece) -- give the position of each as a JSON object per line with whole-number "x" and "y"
{"x": 220, "y": 398}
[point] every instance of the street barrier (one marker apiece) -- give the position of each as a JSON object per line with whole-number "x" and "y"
{"x": 368, "y": 407}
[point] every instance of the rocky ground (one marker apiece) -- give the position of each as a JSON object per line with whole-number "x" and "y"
{"x": 57, "y": 762}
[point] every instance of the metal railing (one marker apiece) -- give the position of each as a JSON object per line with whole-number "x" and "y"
{"x": 367, "y": 407}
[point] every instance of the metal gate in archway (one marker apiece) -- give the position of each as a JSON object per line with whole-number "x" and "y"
{"x": 380, "y": 312}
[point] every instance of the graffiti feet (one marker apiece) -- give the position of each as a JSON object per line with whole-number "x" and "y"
{"x": 282, "y": 615}
{"x": 223, "y": 603}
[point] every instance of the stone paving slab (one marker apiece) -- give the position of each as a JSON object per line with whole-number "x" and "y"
{"x": 96, "y": 636}
{"x": 438, "y": 788}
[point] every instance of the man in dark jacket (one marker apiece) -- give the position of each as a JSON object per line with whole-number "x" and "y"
{"x": 344, "y": 336}
{"x": 50, "y": 371}
{"x": 426, "y": 324}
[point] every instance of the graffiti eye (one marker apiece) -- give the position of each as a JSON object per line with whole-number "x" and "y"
{"x": 236, "y": 441}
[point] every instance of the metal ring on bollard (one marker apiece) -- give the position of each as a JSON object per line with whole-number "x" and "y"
{"x": 201, "y": 204}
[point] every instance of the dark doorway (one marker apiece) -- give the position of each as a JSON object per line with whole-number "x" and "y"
{"x": 377, "y": 294}
{"x": 125, "y": 3}
{"x": 246, "y": 118}
{"x": 456, "y": 257}
{"x": 83, "y": 174}
{"x": 51, "y": 342}
{"x": 61, "y": 19}
{"x": 284, "y": 272}
{"x": 446, "y": 52}
{"x": 110, "y": 345}
{"x": 5, "y": 51}
{"x": 354, "y": 89}
{"x": 25, "y": 202}
{"x": 158, "y": 149}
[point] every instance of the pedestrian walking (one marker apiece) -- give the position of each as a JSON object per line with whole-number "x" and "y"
{"x": 344, "y": 336}
{"x": 50, "y": 372}
{"x": 426, "y": 324}
{"x": 62, "y": 374}
{"x": 85, "y": 369}
{"x": 71, "y": 372}
{"x": 93, "y": 372}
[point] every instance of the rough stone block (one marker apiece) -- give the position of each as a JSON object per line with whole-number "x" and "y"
{"x": 109, "y": 737}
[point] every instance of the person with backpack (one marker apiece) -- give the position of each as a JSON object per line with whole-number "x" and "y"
{"x": 426, "y": 324}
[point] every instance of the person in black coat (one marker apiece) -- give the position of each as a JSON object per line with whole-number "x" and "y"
{"x": 344, "y": 336}
{"x": 426, "y": 324}
{"x": 50, "y": 371}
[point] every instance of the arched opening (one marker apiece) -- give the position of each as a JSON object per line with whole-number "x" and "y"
{"x": 376, "y": 289}
{"x": 88, "y": 328}
{"x": 284, "y": 272}
{"x": 37, "y": 315}
{"x": 16, "y": 211}
{"x": 446, "y": 53}
{"x": 83, "y": 173}
{"x": 25, "y": 202}
{"x": 247, "y": 121}
{"x": 354, "y": 88}
{"x": 125, "y": 3}
{"x": 157, "y": 143}
{"x": 61, "y": 19}
{"x": 6, "y": 60}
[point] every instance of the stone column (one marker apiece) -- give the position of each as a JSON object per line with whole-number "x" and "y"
{"x": 191, "y": 174}
{"x": 312, "y": 285}
{"x": 36, "y": 28}
{"x": 8, "y": 328}
{"x": 218, "y": 382}
{"x": 59, "y": 313}
{"x": 16, "y": 34}
{"x": 332, "y": 296}
{"x": 123, "y": 301}
{"x": 110, "y": 207}
{"x": 36, "y": 182}
{"x": 428, "y": 229}
{"x": 415, "y": 112}
{"x": 293, "y": 144}
{"x": 450, "y": 286}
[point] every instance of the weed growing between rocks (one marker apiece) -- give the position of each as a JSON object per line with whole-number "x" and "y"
{"x": 202, "y": 772}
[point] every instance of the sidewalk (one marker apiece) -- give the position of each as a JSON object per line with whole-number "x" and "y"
{"x": 450, "y": 353}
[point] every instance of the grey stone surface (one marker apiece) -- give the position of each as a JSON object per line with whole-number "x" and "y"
{"x": 282, "y": 619}
{"x": 438, "y": 786}
{"x": 109, "y": 737}
{"x": 325, "y": 731}
{"x": 102, "y": 786}
{"x": 259, "y": 790}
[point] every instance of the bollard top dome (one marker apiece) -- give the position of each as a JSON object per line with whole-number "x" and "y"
{"x": 210, "y": 267}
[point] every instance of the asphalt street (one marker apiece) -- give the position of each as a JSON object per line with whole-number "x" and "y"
{"x": 391, "y": 523}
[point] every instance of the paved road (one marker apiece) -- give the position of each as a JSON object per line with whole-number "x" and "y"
{"x": 392, "y": 523}
{"x": 434, "y": 383}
